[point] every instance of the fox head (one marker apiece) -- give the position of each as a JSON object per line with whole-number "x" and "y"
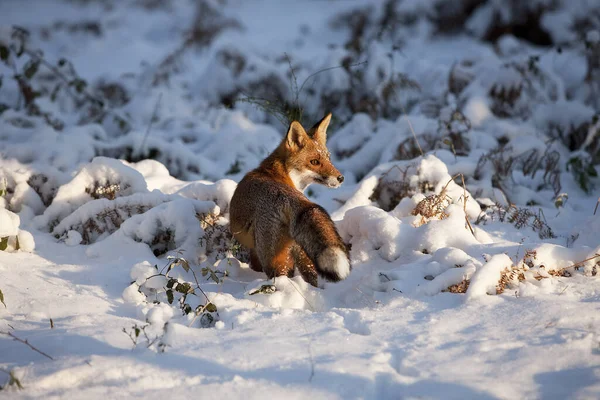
{"x": 307, "y": 158}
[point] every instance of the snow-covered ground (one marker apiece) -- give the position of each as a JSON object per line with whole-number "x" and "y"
{"x": 471, "y": 161}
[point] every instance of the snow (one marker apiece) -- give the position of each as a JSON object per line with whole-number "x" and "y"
{"x": 468, "y": 206}
{"x": 485, "y": 279}
{"x": 9, "y": 221}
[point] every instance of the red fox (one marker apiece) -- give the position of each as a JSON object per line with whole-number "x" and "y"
{"x": 280, "y": 226}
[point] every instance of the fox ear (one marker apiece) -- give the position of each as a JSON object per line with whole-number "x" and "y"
{"x": 296, "y": 136}
{"x": 319, "y": 131}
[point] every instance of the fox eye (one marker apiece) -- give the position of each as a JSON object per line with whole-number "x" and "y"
{"x": 314, "y": 162}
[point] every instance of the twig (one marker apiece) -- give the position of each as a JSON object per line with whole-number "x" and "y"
{"x": 597, "y": 203}
{"x": 208, "y": 301}
{"x": 564, "y": 290}
{"x": 26, "y": 342}
{"x": 293, "y": 81}
{"x": 130, "y": 336}
{"x": 150, "y": 342}
{"x": 412, "y": 130}
{"x": 578, "y": 264}
{"x": 328, "y": 69}
{"x": 13, "y": 380}
{"x": 61, "y": 76}
{"x": 385, "y": 276}
{"x": 198, "y": 286}
{"x": 465, "y": 204}
{"x": 141, "y": 149}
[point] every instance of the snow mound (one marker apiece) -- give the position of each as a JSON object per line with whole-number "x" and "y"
{"x": 387, "y": 185}
{"x": 172, "y": 226}
{"x": 9, "y": 223}
{"x": 102, "y": 178}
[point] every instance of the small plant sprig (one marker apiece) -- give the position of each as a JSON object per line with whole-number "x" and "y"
{"x": 136, "y": 330}
{"x": 281, "y": 109}
{"x": 26, "y": 342}
{"x": 178, "y": 291}
{"x": 13, "y": 381}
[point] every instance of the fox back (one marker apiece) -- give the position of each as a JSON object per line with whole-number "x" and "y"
{"x": 282, "y": 228}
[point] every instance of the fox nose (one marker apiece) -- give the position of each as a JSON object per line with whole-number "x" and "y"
{"x": 340, "y": 178}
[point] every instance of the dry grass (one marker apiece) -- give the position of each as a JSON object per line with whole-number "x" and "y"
{"x": 511, "y": 277}
{"x": 459, "y": 287}
{"x": 520, "y": 217}
{"x": 108, "y": 191}
{"x": 432, "y": 207}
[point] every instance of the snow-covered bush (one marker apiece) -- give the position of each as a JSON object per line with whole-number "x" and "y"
{"x": 103, "y": 178}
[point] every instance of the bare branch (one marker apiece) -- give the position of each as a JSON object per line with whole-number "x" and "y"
{"x": 26, "y": 342}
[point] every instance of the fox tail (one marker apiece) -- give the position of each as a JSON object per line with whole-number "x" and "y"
{"x": 315, "y": 232}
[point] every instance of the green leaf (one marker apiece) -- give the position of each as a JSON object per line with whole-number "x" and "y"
{"x": 136, "y": 330}
{"x": 264, "y": 289}
{"x": 31, "y": 68}
{"x": 170, "y": 296}
{"x": 184, "y": 288}
{"x": 184, "y": 264}
{"x": 171, "y": 283}
{"x": 3, "y": 243}
{"x": 4, "y": 52}
{"x": 187, "y": 309}
{"x": 210, "y": 307}
{"x": 214, "y": 276}
{"x": 204, "y": 271}
{"x": 2, "y": 299}
{"x": 169, "y": 268}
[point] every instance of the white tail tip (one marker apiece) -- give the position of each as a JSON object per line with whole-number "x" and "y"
{"x": 335, "y": 261}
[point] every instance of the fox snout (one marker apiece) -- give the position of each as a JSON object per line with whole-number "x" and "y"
{"x": 333, "y": 181}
